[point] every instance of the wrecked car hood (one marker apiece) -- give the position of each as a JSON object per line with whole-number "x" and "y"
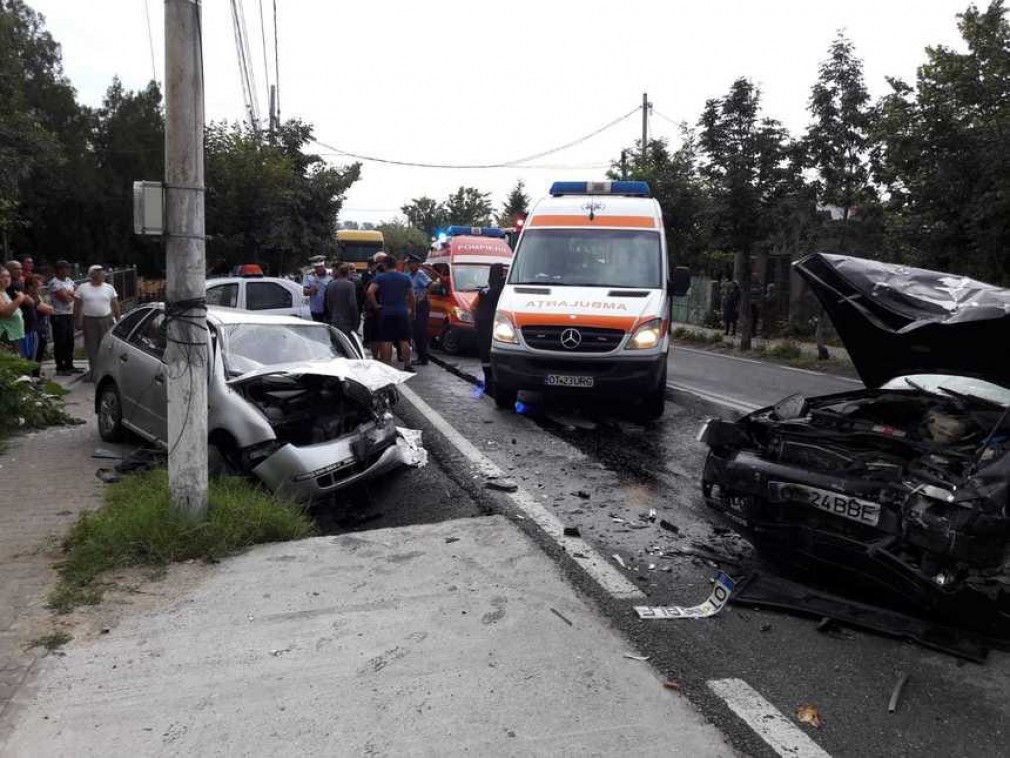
{"x": 896, "y": 320}
{"x": 372, "y": 375}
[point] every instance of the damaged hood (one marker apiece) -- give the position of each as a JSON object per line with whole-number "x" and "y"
{"x": 372, "y": 375}
{"x": 896, "y": 321}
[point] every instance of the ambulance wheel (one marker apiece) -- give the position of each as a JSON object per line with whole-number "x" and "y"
{"x": 654, "y": 404}
{"x": 451, "y": 341}
{"x": 505, "y": 397}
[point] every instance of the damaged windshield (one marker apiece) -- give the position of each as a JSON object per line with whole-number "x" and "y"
{"x": 946, "y": 385}
{"x": 252, "y": 346}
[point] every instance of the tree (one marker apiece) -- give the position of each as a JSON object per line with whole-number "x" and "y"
{"x": 401, "y": 238}
{"x": 267, "y": 201}
{"x": 837, "y": 141}
{"x": 516, "y": 205}
{"x": 682, "y": 194}
{"x": 349, "y": 225}
{"x": 942, "y": 153}
{"x": 426, "y": 214}
{"x": 749, "y": 170}
{"x": 468, "y": 206}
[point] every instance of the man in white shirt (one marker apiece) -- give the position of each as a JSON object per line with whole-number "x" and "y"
{"x": 61, "y": 294}
{"x": 315, "y": 285}
{"x": 96, "y": 309}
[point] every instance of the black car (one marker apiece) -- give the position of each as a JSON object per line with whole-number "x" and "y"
{"x": 898, "y": 491}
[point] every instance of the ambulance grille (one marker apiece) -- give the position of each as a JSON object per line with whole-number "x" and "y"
{"x": 590, "y": 339}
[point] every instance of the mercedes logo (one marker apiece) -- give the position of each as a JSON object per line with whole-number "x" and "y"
{"x": 570, "y": 339}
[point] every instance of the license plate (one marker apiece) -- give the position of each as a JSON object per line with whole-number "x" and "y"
{"x": 564, "y": 380}
{"x": 845, "y": 506}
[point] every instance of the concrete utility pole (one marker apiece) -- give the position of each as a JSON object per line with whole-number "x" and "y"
{"x": 645, "y": 127}
{"x": 186, "y": 311}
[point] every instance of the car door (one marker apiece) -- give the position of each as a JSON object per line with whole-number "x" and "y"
{"x": 269, "y": 297}
{"x": 223, "y": 295}
{"x": 142, "y": 379}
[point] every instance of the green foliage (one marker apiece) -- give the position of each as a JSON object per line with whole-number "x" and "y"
{"x": 401, "y": 239}
{"x": 516, "y": 204}
{"x": 52, "y": 641}
{"x": 942, "y": 152}
{"x": 426, "y": 214}
{"x": 138, "y": 526}
{"x": 27, "y": 403}
{"x": 468, "y": 206}
{"x": 267, "y": 201}
{"x": 783, "y": 350}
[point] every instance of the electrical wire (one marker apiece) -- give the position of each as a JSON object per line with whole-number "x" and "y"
{"x": 667, "y": 118}
{"x": 150, "y": 38}
{"x": 277, "y": 70}
{"x": 263, "y": 44}
{"x": 515, "y": 163}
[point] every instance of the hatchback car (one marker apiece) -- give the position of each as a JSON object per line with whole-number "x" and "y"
{"x": 263, "y": 294}
{"x": 292, "y": 402}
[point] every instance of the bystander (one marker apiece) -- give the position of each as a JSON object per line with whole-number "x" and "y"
{"x": 96, "y": 310}
{"x": 342, "y": 301}
{"x": 61, "y": 295}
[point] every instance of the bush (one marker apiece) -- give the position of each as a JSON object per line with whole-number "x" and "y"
{"x": 137, "y": 526}
{"x": 25, "y": 402}
{"x": 785, "y": 350}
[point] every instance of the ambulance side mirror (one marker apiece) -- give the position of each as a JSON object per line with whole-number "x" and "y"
{"x": 440, "y": 289}
{"x": 680, "y": 282}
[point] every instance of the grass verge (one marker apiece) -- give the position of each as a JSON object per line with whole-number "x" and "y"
{"x": 138, "y": 527}
{"x": 51, "y": 641}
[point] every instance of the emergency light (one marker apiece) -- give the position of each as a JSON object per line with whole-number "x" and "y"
{"x": 475, "y": 231}
{"x": 628, "y": 189}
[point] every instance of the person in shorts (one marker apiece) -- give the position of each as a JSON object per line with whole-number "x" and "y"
{"x": 391, "y": 297}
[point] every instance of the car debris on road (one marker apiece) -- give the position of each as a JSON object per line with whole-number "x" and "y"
{"x": 722, "y": 588}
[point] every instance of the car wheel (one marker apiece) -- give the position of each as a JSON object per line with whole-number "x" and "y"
{"x": 110, "y": 414}
{"x": 654, "y": 404}
{"x": 219, "y": 463}
{"x": 505, "y": 397}
{"x": 452, "y": 343}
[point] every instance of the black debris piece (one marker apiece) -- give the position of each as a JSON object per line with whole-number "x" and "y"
{"x": 107, "y": 475}
{"x": 572, "y": 531}
{"x": 502, "y": 485}
{"x": 583, "y": 494}
{"x": 663, "y": 523}
{"x": 142, "y": 459}
{"x": 769, "y": 591}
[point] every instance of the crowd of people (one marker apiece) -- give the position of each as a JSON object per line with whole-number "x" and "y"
{"x": 46, "y": 306}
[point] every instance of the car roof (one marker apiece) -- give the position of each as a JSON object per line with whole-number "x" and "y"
{"x": 232, "y": 279}
{"x": 220, "y": 316}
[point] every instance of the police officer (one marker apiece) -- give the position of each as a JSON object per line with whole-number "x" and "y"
{"x": 421, "y": 283}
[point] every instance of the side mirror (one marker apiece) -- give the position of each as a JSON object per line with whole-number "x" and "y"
{"x": 680, "y": 282}
{"x": 440, "y": 289}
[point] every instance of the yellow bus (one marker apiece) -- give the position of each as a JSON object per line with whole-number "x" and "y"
{"x": 357, "y": 247}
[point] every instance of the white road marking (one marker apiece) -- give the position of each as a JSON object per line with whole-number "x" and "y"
{"x": 784, "y": 737}
{"x": 724, "y": 400}
{"x": 766, "y": 363}
{"x": 609, "y": 578}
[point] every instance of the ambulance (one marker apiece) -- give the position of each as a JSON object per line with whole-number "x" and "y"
{"x": 462, "y": 258}
{"x": 586, "y": 307}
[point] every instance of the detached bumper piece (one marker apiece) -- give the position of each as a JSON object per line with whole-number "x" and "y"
{"x": 768, "y": 591}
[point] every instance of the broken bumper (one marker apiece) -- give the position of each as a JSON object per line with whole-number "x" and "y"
{"x": 312, "y": 472}
{"x": 612, "y": 377}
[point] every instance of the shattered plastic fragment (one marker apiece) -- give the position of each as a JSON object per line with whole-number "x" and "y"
{"x": 721, "y": 589}
{"x": 632, "y": 657}
{"x": 411, "y": 451}
{"x": 809, "y": 714}
{"x": 672, "y": 684}
{"x": 572, "y": 531}
{"x": 620, "y": 561}
{"x": 892, "y": 706}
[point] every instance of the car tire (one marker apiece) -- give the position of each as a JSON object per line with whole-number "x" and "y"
{"x": 110, "y": 413}
{"x": 654, "y": 405}
{"x": 505, "y": 397}
{"x": 452, "y": 342}
{"x": 218, "y": 462}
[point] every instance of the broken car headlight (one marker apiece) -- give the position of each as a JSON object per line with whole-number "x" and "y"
{"x": 647, "y": 336}
{"x": 463, "y": 315}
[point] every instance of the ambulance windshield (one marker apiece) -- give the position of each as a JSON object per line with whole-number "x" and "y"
{"x": 589, "y": 258}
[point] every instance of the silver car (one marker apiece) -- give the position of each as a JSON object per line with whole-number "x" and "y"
{"x": 292, "y": 402}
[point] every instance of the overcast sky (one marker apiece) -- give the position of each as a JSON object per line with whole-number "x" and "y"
{"x": 479, "y": 82}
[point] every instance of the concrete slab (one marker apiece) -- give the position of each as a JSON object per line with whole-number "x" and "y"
{"x": 435, "y": 639}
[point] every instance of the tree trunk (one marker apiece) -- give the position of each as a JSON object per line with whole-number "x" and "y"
{"x": 822, "y": 348}
{"x": 741, "y": 272}
{"x": 761, "y": 264}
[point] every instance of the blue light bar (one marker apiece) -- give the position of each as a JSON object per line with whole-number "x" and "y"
{"x": 631, "y": 189}
{"x": 474, "y": 231}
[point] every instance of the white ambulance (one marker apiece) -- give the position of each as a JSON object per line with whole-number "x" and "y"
{"x": 586, "y": 308}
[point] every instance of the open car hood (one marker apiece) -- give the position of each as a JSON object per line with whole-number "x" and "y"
{"x": 370, "y": 374}
{"x": 895, "y": 320}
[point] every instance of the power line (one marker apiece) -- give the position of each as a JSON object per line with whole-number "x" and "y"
{"x": 516, "y": 163}
{"x": 667, "y": 118}
{"x": 150, "y": 38}
{"x": 277, "y": 70}
{"x": 263, "y": 44}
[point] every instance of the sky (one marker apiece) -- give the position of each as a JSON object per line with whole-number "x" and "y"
{"x": 476, "y": 82}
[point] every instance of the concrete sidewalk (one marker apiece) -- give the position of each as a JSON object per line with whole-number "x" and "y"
{"x": 434, "y": 640}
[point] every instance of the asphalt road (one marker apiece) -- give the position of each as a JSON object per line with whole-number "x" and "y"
{"x": 601, "y": 473}
{"x": 745, "y": 381}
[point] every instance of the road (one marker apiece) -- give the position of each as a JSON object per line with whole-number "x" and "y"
{"x": 601, "y": 474}
{"x": 746, "y": 382}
